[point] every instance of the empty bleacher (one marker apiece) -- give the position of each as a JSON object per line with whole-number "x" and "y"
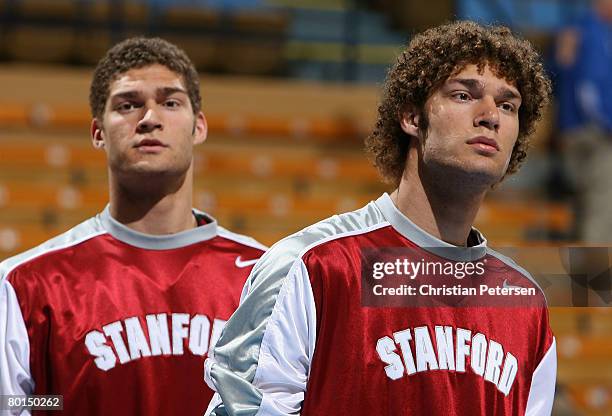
{"x": 220, "y": 37}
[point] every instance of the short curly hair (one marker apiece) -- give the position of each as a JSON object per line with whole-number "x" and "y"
{"x": 429, "y": 60}
{"x": 139, "y": 52}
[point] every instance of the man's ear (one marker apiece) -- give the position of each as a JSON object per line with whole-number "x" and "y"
{"x": 200, "y": 128}
{"x": 96, "y": 133}
{"x": 409, "y": 121}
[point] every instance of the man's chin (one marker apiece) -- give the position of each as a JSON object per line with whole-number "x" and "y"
{"x": 484, "y": 168}
{"x": 473, "y": 175}
{"x": 148, "y": 170}
{"x": 484, "y": 175}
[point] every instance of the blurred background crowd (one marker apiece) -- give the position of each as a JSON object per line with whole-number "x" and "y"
{"x": 290, "y": 90}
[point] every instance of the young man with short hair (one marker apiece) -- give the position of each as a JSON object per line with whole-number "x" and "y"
{"x": 118, "y": 313}
{"x": 311, "y": 338}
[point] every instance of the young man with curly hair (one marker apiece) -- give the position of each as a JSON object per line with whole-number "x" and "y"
{"x": 118, "y": 314}
{"x": 313, "y": 336}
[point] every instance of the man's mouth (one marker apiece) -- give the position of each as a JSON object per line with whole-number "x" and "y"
{"x": 150, "y": 144}
{"x": 484, "y": 144}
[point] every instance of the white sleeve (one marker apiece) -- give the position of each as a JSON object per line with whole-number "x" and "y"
{"x": 542, "y": 391}
{"x": 15, "y": 376}
{"x": 278, "y": 357}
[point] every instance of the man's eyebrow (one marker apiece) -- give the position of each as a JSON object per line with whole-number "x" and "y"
{"x": 508, "y": 94}
{"x": 474, "y": 84}
{"x": 165, "y": 91}
{"x": 469, "y": 83}
{"x": 125, "y": 94}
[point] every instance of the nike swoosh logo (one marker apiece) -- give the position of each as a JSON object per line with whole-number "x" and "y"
{"x": 505, "y": 285}
{"x": 244, "y": 263}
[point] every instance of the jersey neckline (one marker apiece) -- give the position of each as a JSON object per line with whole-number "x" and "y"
{"x": 426, "y": 241}
{"x": 159, "y": 242}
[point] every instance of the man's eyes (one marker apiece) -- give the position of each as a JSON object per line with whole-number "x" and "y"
{"x": 461, "y": 96}
{"x": 125, "y": 106}
{"x": 509, "y": 107}
{"x": 129, "y": 105}
{"x": 172, "y": 103}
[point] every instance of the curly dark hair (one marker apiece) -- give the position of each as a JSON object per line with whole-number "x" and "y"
{"x": 429, "y": 60}
{"x": 139, "y": 52}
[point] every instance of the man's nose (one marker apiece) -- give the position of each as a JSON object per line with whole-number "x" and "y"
{"x": 488, "y": 114}
{"x": 149, "y": 122}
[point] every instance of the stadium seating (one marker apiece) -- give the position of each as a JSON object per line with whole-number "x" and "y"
{"x": 78, "y": 32}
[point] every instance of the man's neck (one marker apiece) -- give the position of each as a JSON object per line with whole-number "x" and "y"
{"x": 442, "y": 209}
{"x": 160, "y": 210}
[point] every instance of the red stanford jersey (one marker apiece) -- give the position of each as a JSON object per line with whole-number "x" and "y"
{"x": 119, "y": 322}
{"x": 302, "y": 340}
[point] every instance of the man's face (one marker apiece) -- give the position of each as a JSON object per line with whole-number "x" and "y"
{"x": 148, "y": 126}
{"x": 473, "y": 125}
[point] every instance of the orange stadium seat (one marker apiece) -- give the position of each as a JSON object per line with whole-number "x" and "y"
{"x": 594, "y": 399}
{"x": 38, "y": 44}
